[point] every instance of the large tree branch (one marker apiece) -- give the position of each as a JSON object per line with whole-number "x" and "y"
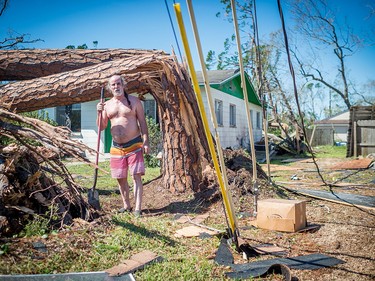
{"x": 29, "y": 64}
{"x": 80, "y": 85}
{"x": 56, "y": 139}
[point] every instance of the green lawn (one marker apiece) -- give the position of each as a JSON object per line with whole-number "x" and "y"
{"x": 330, "y": 151}
{"x": 114, "y": 238}
{"x": 84, "y": 175}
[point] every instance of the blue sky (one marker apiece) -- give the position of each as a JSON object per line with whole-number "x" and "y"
{"x": 145, "y": 25}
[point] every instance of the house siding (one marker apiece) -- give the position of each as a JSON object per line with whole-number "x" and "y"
{"x": 89, "y": 129}
{"x": 238, "y": 136}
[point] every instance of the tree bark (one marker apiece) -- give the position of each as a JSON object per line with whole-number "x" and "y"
{"x": 185, "y": 146}
{"x": 30, "y": 64}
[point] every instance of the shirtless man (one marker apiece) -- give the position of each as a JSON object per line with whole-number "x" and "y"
{"x": 130, "y": 139}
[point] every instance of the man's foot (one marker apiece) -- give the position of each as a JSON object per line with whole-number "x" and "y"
{"x": 137, "y": 213}
{"x": 124, "y": 210}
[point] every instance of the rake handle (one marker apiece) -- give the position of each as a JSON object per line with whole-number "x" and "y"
{"x": 98, "y": 141}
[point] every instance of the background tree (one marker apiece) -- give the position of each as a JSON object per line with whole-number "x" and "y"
{"x": 327, "y": 36}
{"x": 14, "y": 40}
{"x": 3, "y": 6}
{"x": 228, "y": 58}
{"x": 319, "y": 25}
{"x": 261, "y": 60}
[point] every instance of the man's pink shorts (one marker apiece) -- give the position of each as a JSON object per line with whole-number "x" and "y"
{"x": 121, "y": 162}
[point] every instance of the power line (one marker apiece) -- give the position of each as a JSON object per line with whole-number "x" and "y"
{"x": 174, "y": 32}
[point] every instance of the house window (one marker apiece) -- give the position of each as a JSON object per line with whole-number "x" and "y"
{"x": 70, "y": 116}
{"x": 219, "y": 112}
{"x": 150, "y": 108}
{"x": 258, "y": 120}
{"x": 252, "y": 118}
{"x": 232, "y": 115}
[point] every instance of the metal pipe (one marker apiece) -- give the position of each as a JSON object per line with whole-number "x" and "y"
{"x": 210, "y": 102}
{"x": 228, "y": 209}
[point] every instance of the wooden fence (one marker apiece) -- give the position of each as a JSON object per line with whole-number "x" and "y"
{"x": 320, "y": 136}
{"x": 361, "y": 134}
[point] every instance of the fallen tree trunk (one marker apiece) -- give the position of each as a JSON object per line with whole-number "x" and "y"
{"x": 31, "y": 64}
{"x": 80, "y": 85}
{"x": 185, "y": 147}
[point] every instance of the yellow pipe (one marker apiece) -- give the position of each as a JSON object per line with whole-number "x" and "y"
{"x": 228, "y": 209}
{"x": 210, "y": 104}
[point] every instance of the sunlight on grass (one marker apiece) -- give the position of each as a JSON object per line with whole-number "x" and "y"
{"x": 98, "y": 250}
{"x": 83, "y": 174}
{"x": 329, "y": 151}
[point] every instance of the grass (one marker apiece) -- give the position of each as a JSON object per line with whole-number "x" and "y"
{"x": 84, "y": 175}
{"x": 325, "y": 151}
{"x": 115, "y": 238}
{"x": 321, "y": 152}
{"x": 97, "y": 249}
{"x": 329, "y": 151}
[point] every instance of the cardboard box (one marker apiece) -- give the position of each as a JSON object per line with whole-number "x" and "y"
{"x": 281, "y": 214}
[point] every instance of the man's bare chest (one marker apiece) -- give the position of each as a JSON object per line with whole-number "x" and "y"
{"x": 119, "y": 110}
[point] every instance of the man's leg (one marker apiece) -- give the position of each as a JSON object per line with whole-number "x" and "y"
{"x": 124, "y": 191}
{"x": 138, "y": 191}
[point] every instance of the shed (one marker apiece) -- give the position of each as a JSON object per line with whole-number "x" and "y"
{"x": 331, "y": 130}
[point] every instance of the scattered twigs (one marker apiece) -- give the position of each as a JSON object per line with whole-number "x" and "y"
{"x": 54, "y": 138}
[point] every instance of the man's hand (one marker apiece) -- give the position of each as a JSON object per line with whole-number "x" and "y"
{"x": 146, "y": 149}
{"x": 100, "y": 106}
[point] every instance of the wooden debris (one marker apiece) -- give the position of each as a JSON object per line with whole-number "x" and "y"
{"x": 33, "y": 180}
{"x": 136, "y": 262}
{"x": 197, "y": 219}
{"x": 33, "y": 185}
{"x": 195, "y": 231}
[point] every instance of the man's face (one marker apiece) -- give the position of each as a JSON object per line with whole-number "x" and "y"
{"x": 116, "y": 86}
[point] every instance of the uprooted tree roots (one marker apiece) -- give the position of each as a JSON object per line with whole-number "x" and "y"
{"x": 33, "y": 180}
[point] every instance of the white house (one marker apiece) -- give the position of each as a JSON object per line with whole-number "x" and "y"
{"x": 339, "y": 124}
{"x": 229, "y": 109}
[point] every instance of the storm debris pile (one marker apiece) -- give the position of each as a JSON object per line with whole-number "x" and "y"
{"x": 240, "y": 171}
{"x": 33, "y": 180}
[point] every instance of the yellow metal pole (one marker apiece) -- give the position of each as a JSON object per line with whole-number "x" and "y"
{"x": 210, "y": 103}
{"x": 229, "y": 212}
